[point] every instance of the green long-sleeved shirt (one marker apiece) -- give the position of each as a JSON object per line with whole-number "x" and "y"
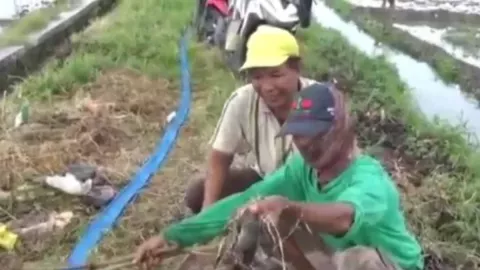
{"x": 379, "y": 221}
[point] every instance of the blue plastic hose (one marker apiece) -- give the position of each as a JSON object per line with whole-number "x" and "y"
{"x": 105, "y": 220}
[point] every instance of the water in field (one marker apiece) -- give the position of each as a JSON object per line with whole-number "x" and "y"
{"x": 455, "y": 6}
{"x": 434, "y": 98}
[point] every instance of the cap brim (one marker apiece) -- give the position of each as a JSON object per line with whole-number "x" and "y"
{"x": 263, "y": 62}
{"x": 305, "y": 128}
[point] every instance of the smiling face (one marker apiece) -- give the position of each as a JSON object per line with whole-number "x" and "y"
{"x": 276, "y": 85}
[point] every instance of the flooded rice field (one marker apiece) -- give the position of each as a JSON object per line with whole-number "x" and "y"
{"x": 433, "y": 97}
{"x": 461, "y": 45}
{"x": 468, "y": 38}
{"x": 452, "y": 25}
{"x": 457, "y": 6}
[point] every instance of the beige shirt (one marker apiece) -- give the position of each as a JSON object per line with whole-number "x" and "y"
{"x": 247, "y": 126}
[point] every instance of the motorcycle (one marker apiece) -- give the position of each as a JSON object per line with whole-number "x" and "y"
{"x": 210, "y": 20}
{"x": 247, "y": 15}
{"x": 229, "y": 24}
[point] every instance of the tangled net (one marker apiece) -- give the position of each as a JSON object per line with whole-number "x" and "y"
{"x": 251, "y": 243}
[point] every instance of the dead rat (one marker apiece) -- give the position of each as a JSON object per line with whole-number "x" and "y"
{"x": 241, "y": 253}
{"x": 249, "y": 229}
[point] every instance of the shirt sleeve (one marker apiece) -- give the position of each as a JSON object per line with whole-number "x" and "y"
{"x": 228, "y": 136}
{"x": 211, "y": 222}
{"x": 368, "y": 194}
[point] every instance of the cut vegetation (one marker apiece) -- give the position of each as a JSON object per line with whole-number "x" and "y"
{"x": 126, "y": 66}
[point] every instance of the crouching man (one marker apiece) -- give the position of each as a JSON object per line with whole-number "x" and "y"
{"x": 346, "y": 199}
{"x": 251, "y": 119}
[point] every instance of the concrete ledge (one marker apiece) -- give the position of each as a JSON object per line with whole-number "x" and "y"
{"x": 17, "y": 62}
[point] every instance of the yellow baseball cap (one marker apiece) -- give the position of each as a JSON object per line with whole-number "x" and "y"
{"x": 270, "y": 46}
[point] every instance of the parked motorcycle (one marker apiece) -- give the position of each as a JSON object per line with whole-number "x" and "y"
{"x": 210, "y": 20}
{"x": 229, "y": 24}
{"x": 247, "y": 15}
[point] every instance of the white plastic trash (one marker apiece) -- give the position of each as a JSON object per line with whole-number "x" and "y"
{"x": 23, "y": 115}
{"x": 171, "y": 116}
{"x": 69, "y": 184}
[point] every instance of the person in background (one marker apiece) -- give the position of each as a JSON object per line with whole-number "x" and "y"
{"x": 346, "y": 198}
{"x": 391, "y": 4}
{"x": 251, "y": 118}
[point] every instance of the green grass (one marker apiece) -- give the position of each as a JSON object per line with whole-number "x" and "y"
{"x": 449, "y": 69}
{"x": 17, "y": 33}
{"x": 143, "y": 36}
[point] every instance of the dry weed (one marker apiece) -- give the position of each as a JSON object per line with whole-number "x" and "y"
{"x": 112, "y": 123}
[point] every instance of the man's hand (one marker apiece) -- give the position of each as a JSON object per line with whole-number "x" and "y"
{"x": 146, "y": 255}
{"x": 271, "y": 206}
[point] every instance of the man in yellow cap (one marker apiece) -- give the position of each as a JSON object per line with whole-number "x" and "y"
{"x": 251, "y": 119}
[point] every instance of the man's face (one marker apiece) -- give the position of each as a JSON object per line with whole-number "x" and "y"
{"x": 276, "y": 85}
{"x": 309, "y": 147}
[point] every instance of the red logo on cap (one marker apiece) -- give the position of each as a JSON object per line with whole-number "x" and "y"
{"x": 302, "y": 104}
{"x": 306, "y": 104}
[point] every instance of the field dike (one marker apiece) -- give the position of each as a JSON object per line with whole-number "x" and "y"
{"x": 449, "y": 69}
{"x": 126, "y": 65}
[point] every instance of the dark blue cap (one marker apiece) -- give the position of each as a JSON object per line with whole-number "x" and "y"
{"x": 312, "y": 112}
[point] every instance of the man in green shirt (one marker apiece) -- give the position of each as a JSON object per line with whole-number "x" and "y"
{"x": 347, "y": 198}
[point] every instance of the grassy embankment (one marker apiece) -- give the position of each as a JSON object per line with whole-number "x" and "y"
{"x": 449, "y": 69}
{"x": 17, "y": 33}
{"x": 433, "y": 164}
